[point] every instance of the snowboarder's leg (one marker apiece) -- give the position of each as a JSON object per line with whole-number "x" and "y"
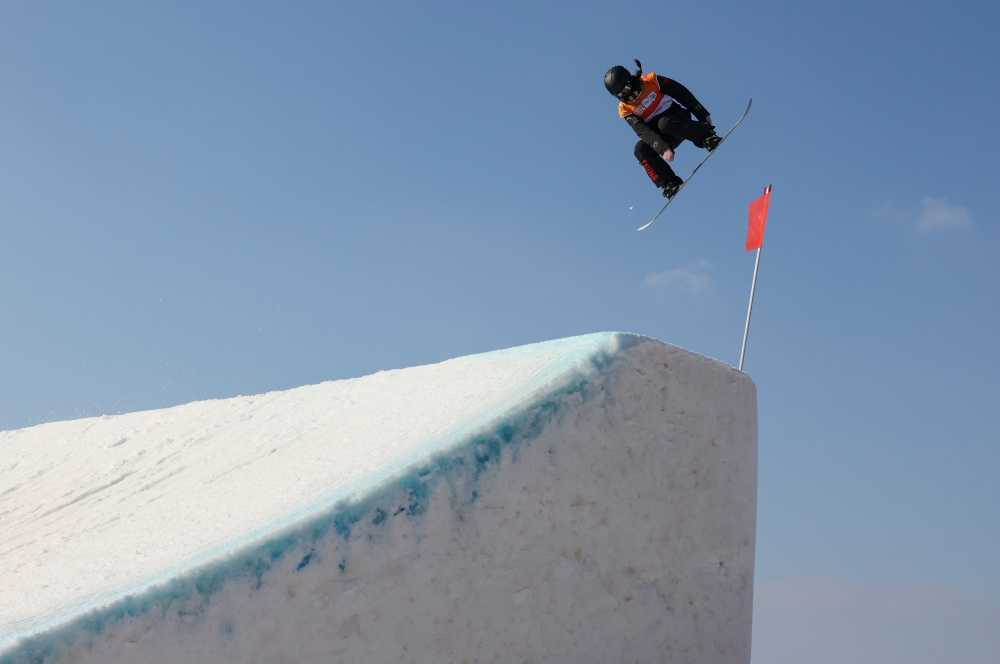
{"x": 656, "y": 168}
{"x": 685, "y": 128}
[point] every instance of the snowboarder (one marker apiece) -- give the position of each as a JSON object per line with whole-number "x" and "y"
{"x": 660, "y": 110}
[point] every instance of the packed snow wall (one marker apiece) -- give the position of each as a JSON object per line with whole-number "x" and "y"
{"x": 590, "y": 499}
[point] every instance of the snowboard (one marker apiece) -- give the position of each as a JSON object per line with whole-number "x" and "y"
{"x": 670, "y": 200}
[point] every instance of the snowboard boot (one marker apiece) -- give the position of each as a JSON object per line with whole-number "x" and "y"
{"x": 712, "y": 141}
{"x": 671, "y": 187}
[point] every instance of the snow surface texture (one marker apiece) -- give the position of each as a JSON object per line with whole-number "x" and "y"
{"x": 590, "y": 499}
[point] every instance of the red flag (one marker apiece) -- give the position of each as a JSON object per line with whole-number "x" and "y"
{"x": 758, "y": 219}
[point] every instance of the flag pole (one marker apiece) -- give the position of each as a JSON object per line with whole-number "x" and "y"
{"x": 755, "y": 240}
{"x": 746, "y": 330}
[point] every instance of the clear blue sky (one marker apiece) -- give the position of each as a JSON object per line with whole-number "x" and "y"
{"x": 200, "y": 200}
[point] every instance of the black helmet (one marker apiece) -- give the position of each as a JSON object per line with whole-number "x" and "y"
{"x": 622, "y": 84}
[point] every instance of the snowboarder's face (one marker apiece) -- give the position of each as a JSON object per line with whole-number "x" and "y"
{"x": 630, "y": 92}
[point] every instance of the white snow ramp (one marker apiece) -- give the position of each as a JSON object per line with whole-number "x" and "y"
{"x": 590, "y": 499}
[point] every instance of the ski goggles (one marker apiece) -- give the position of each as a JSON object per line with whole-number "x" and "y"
{"x": 627, "y": 94}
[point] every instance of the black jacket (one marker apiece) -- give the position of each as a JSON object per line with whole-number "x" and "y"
{"x": 685, "y": 105}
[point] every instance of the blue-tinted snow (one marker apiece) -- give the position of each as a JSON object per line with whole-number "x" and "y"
{"x": 337, "y": 514}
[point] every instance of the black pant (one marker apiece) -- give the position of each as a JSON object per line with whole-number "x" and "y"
{"x": 673, "y": 129}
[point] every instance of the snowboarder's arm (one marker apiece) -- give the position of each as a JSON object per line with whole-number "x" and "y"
{"x": 684, "y": 96}
{"x": 646, "y": 133}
